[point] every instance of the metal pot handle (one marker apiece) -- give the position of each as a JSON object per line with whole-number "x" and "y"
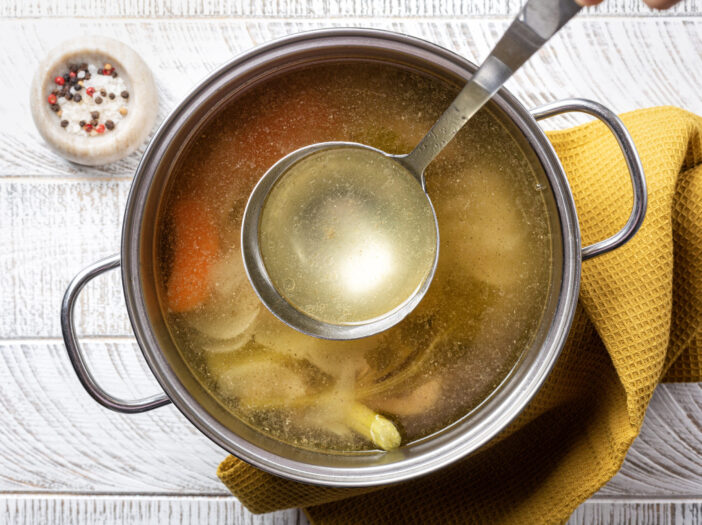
{"x": 633, "y": 162}
{"x": 75, "y": 353}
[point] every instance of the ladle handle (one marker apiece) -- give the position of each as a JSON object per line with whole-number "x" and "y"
{"x": 535, "y": 24}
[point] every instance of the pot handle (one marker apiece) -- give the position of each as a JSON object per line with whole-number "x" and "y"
{"x": 75, "y": 353}
{"x": 633, "y": 162}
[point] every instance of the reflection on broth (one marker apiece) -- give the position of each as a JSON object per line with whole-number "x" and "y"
{"x": 447, "y": 356}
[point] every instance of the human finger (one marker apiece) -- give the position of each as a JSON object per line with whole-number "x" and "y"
{"x": 660, "y": 4}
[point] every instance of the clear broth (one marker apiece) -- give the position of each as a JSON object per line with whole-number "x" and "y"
{"x": 347, "y": 235}
{"x": 482, "y": 310}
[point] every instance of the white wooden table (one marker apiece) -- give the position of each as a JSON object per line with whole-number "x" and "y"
{"x": 64, "y": 459}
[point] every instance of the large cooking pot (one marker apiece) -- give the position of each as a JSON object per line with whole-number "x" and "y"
{"x": 180, "y": 386}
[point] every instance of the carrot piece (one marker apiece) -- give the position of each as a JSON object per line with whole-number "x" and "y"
{"x": 195, "y": 246}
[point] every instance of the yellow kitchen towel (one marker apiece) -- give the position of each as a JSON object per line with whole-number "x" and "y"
{"x": 639, "y": 321}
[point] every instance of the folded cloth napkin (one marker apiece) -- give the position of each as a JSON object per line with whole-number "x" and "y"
{"x": 638, "y": 322}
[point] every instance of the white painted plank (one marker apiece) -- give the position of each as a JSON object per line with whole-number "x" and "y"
{"x": 631, "y": 511}
{"x": 155, "y": 510}
{"x": 55, "y": 438}
{"x": 49, "y": 230}
{"x": 164, "y": 510}
{"x": 312, "y": 8}
{"x": 625, "y": 64}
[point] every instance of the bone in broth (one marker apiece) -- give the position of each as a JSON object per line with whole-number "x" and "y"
{"x": 482, "y": 309}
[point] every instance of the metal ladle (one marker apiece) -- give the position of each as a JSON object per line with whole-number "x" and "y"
{"x": 536, "y": 23}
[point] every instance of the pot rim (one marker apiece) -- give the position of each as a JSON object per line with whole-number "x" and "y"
{"x": 487, "y": 425}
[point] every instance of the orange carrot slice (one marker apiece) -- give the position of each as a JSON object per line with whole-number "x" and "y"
{"x": 195, "y": 246}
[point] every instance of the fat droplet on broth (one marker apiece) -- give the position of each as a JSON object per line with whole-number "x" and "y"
{"x": 481, "y": 310}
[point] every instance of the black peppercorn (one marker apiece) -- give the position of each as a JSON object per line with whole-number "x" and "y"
{"x": 125, "y": 94}
{"x": 103, "y": 92}
{"x": 78, "y": 87}
{"x": 98, "y": 100}
{"x": 109, "y": 124}
{"x": 95, "y": 114}
{"x": 64, "y": 123}
{"x": 81, "y": 123}
{"x": 112, "y": 96}
{"x": 77, "y": 97}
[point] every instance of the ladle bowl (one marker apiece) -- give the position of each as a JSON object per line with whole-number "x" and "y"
{"x": 296, "y": 315}
{"x": 535, "y": 24}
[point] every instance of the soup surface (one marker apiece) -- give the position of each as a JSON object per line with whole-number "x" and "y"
{"x": 481, "y": 311}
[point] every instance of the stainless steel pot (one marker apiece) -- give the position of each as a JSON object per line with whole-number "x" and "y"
{"x": 180, "y": 386}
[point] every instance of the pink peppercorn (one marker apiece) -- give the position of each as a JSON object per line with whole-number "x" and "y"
{"x": 52, "y": 99}
{"x": 60, "y": 81}
{"x": 90, "y": 91}
{"x": 100, "y": 128}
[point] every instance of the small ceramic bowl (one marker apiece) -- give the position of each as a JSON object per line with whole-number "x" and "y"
{"x": 124, "y": 122}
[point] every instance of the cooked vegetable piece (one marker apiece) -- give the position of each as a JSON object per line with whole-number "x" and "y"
{"x": 490, "y": 240}
{"x": 333, "y": 357}
{"x": 380, "y": 430}
{"x": 231, "y": 320}
{"x": 227, "y": 345}
{"x": 194, "y": 246}
{"x": 258, "y": 381}
{"x": 233, "y": 308}
{"x": 419, "y": 400}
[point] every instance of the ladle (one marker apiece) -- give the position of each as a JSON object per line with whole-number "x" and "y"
{"x": 366, "y": 265}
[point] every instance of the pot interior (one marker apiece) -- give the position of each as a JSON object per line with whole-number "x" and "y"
{"x": 153, "y": 181}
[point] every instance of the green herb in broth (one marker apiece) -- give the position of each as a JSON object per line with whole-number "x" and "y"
{"x": 481, "y": 311}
